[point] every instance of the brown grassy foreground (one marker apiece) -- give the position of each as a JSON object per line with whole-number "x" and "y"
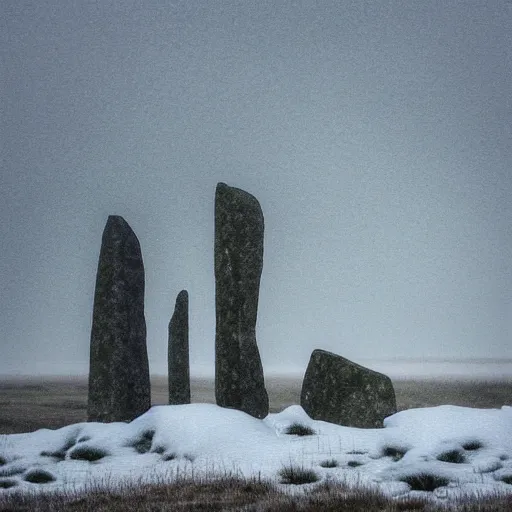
{"x": 230, "y": 493}
{"x": 29, "y": 404}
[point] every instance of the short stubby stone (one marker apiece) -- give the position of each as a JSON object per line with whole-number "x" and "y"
{"x": 239, "y": 227}
{"x": 178, "y": 354}
{"x": 119, "y": 385}
{"x": 340, "y": 391}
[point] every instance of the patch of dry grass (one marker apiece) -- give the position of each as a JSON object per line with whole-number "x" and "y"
{"x": 222, "y": 494}
{"x": 231, "y": 493}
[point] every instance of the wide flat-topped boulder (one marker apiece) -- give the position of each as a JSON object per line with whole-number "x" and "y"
{"x": 239, "y": 226}
{"x": 340, "y": 391}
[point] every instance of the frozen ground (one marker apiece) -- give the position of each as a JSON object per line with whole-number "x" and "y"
{"x": 449, "y": 450}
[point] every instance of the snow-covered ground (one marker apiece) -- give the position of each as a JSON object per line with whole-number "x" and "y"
{"x": 464, "y": 450}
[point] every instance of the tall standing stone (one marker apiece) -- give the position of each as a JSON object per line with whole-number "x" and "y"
{"x": 340, "y": 391}
{"x": 119, "y": 385}
{"x": 179, "y": 371}
{"x": 239, "y": 225}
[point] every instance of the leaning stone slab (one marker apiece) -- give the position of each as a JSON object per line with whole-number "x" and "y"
{"x": 342, "y": 392}
{"x": 239, "y": 226}
{"x": 178, "y": 356}
{"x": 119, "y": 385}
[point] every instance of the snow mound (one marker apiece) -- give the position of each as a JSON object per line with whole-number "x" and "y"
{"x": 441, "y": 452}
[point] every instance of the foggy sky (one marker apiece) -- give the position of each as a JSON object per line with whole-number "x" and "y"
{"x": 375, "y": 134}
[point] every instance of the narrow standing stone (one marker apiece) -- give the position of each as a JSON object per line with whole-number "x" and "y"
{"x": 239, "y": 226}
{"x": 119, "y": 385}
{"x": 179, "y": 372}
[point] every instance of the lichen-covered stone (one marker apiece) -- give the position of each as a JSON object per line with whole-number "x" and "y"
{"x": 178, "y": 358}
{"x": 340, "y": 391}
{"x": 239, "y": 226}
{"x": 119, "y": 385}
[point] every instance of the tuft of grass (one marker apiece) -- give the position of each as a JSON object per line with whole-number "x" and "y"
{"x": 395, "y": 452}
{"x": 6, "y": 483}
{"x": 452, "y": 456}
{"x": 12, "y": 470}
{"x": 61, "y": 452}
{"x": 298, "y": 429}
{"x": 169, "y": 456}
{"x": 158, "y": 449}
{"x": 296, "y": 475}
{"x": 39, "y": 476}
{"x": 143, "y": 443}
{"x": 473, "y": 445}
{"x": 507, "y": 479}
{"x": 88, "y": 453}
{"x": 2, "y": 461}
{"x": 354, "y": 463}
{"x": 330, "y": 463}
{"x": 425, "y": 481}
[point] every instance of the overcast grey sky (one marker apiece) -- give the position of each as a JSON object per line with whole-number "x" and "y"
{"x": 376, "y": 135}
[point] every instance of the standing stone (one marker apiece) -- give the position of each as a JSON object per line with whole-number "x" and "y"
{"x": 340, "y": 391}
{"x": 119, "y": 386}
{"x": 179, "y": 372}
{"x": 239, "y": 382}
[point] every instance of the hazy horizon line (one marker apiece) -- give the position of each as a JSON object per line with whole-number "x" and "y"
{"x": 395, "y": 368}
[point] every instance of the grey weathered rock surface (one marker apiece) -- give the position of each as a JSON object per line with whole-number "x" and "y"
{"x": 119, "y": 385}
{"x": 340, "y": 391}
{"x": 239, "y": 226}
{"x": 178, "y": 355}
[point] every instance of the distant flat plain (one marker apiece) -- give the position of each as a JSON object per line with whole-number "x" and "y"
{"x": 27, "y": 404}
